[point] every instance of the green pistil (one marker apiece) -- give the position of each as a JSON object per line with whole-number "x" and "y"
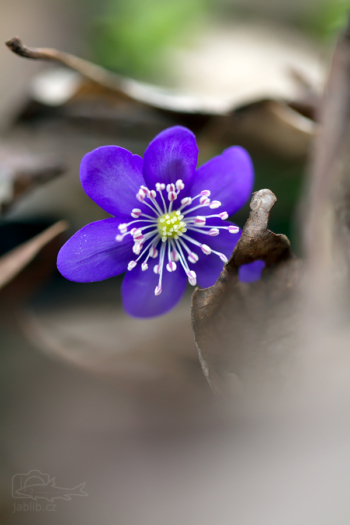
{"x": 171, "y": 225}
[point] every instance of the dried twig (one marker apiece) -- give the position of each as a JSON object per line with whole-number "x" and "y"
{"x": 88, "y": 69}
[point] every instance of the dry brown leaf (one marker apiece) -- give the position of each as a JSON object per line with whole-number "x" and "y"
{"x": 21, "y": 172}
{"x": 240, "y": 328}
{"x": 271, "y": 98}
{"x": 13, "y": 262}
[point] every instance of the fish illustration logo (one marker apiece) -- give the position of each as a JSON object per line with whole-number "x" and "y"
{"x": 36, "y": 485}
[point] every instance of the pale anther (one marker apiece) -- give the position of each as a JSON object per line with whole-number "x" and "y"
{"x": 205, "y": 249}
{"x": 132, "y": 265}
{"x": 123, "y": 228}
{"x": 204, "y": 200}
{"x": 192, "y": 277}
{"x": 193, "y": 257}
{"x": 171, "y": 266}
{"x": 136, "y": 212}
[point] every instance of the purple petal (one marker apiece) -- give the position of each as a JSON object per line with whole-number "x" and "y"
{"x": 209, "y": 267}
{"x": 111, "y": 176}
{"x": 93, "y": 254}
{"x": 229, "y": 177}
{"x": 249, "y": 273}
{"x": 138, "y": 291}
{"x": 171, "y": 155}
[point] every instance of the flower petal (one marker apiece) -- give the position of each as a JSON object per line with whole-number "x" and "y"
{"x": 249, "y": 273}
{"x": 138, "y": 291}
{"x": 209, "y": 267}
{"x": 93, "y": 254}
{"x": 171, "y": 155}
{"x": 229, "y": 177}
{"x": 111, "y": 176}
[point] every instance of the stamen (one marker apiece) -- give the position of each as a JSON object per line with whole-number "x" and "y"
{"x": 204, "y": 200}
{"x": 190, "y": 274}
{"x": 160, "y": 187}
{"x": 136, "y": 212}
{"x": 123, "y": 228}
{"x": 138, "y": 239}
{"x": 170, "y": 227}
{"x": 202, "y": 205}
{"x": 132, "y": 265}
{"x": 171, "y": 266}
{"x": 188, "y": 200}
{"x": 152, "y": 196}
{"x": 174, "y": 256}
{"x": 140, "y": 196}
{"x": 153, "y": 242}
{"x": 185, "y": 202}
{"x": 205, "y": 249}
{"x": 158, "y": 289}
{"x": 179, "y": 185}
{"x": 193, "y": 257}
{"x": 192, "y": 277}
{"x": 212, "y": 232}
{"x": 145, "y": 192}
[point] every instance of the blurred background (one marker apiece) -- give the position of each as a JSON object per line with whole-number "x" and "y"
{"x": 88, "y": 394}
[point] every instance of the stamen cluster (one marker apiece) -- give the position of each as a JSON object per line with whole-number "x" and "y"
{"x": 165, "y": 233}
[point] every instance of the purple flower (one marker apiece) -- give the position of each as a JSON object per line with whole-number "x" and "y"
{"x": 169, "y": 220}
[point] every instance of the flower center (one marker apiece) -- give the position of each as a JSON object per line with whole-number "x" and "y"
{"x": 171, "y": 225}
{"x": 163, "y": 235}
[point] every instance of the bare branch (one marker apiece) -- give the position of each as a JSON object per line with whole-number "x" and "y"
{"x": 88, "y": 69}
